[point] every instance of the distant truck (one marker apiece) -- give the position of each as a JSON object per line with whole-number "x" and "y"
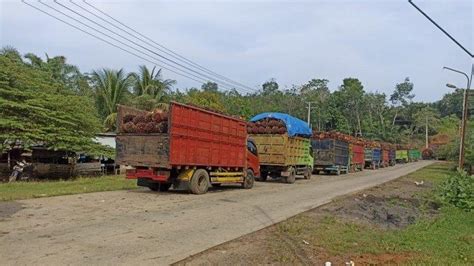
{"x": 284, "y": 146}
{"x": 196, "y": 148}
{"x": 414, "y": 155}
{"x": 401, "y": 156}
{"x": 357, "y": 157}
{"x": 373, "y": 157}
{"x": 330, "y": 155}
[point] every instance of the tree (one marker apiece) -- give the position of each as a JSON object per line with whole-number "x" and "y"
{"x": 111, "y": 87}
{"x": 351, "y": 94}
{"x": 35, "y": 108}
{"x": 270, "y": 87}
{"x": 376, "y": 107}
{"x": 317, "y": 92}
{"x": 451, "y": 103}
{"x": 425, "y": 120}
{"x": 401, "y": 96}
{"x": 151, "y": 83}
{"x": 210, "y": 86}
{"x": 205, "y": 98}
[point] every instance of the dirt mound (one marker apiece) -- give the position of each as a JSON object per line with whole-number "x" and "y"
{"x": 387, "y": 212}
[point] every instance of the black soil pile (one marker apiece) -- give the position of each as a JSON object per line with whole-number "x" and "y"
{"x": 381, "y": 207}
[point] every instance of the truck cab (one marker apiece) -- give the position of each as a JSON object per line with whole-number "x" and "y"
{"x": 253, "y": 163}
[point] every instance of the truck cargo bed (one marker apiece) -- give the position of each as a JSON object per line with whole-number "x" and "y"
{"x": 281, "y": 150}
{"x": 195, "y": 137}
{"x": 146, "y": 150}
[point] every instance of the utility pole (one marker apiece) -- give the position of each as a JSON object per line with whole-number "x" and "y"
{"x": 309, "y": 113}
{"x": 426, "y": 132}
{"x": 464, "y": 113}
{"x": 469, "y": 81}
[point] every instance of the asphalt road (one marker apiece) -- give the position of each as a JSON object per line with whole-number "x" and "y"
{"x": 143, "y": 227}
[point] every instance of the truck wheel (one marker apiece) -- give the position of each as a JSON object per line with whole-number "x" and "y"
{"x": 248, "y": 180}
{"x": 291, "y": 178}
{"x": 263, "y": 176}
{"x": 164, "y": 187}
{"x": 154, "y": 186}
{"x": 307, "y": 173}
{"x": 199, "y": 183}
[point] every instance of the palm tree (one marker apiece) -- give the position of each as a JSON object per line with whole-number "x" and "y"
{"x": 151, "y": 83}
{"x": 111, "y": 87}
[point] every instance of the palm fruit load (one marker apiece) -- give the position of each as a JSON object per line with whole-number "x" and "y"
{"x": 151, "y": 122}
{"x": 387, "y": 146}
{"x": 267, "y": 126}
{"x": 338, "y": 136}
{"x": 402, "y": 147}
{"x": 372, "y": 144}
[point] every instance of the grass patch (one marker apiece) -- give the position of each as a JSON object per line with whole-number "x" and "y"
{"x": 448, "y": 239}
{"x": 26, "y": 190}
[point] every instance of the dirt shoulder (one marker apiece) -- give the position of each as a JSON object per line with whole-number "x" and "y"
{"x": 394, "y": 223}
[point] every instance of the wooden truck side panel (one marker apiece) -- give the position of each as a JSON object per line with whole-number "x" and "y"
{"x": 281, "y": 150}
{"x": 146, "y": 150}
{"x": 204, "y": 138}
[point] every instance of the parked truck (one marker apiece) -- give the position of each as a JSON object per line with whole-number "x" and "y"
{"x": 392, "y": 154}
{"x": 284, "y": 146}
{"x": 414, "y": 155}
{"x": 401, "y": 156}
{"x": 330, "y": 155}
{"x": 357, "y": 157}
{"x": 373, "y": 157}
{"x": 189, "y": 148}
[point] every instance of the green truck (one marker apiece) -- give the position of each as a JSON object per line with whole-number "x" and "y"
{"x": 401, "y": 156}
{"x": 285, "y": 156}
{"x": 414, "y": 155}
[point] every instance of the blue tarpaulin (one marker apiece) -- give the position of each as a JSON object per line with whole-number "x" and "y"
{"x": 294, "y": 126}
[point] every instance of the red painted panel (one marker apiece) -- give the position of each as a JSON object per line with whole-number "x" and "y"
{"x": 358, "y": 154}
{"x": 385, "y": 155}
{"x": 203, "y": 138}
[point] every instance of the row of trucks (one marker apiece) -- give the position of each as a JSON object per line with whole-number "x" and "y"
{"x": 191, "y": 148}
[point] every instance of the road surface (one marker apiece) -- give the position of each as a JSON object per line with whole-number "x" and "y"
{"x": 143, "y": 227}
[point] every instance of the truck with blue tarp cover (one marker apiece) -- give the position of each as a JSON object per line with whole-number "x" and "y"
{"x": 373, "y": 157}
{"x": 284, "y": 146}
{"x": 330, "y": 155}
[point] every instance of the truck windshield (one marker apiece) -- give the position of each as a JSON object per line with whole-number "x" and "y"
{"x": 252, "y": 147}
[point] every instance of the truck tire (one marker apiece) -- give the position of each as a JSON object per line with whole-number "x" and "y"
{"x": 291, "y": 178}
{"x": 154, "y": 186}
{"x": 164, "y": 187}
{"x": 308, "y": 172}
{"x": 199, "y": 183}
{"x": 248, "y": 180}
{"x": 263, "y": 176}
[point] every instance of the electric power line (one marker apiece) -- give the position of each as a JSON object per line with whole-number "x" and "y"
{"x": 108, "y": 42}
{"x": 157, "y": 46}
{"x": 150, "y": 51}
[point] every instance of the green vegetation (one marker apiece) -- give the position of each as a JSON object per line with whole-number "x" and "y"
{"x": 458, "y": 190}
{"x": 52, "y": 101}
{"x": 448, "y": 239}
{"x": 26, "y": 190}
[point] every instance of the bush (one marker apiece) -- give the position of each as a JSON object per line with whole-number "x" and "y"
{"x": 458, "y": 190}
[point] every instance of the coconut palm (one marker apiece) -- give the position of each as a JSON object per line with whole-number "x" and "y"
{"x": 151, "y": 83}
{"x": 111, "y": 87}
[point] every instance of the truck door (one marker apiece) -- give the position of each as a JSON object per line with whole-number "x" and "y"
{"x": 253, "y": 162}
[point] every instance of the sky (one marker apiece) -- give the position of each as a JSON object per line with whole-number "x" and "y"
{"x": 380, "y": 42}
